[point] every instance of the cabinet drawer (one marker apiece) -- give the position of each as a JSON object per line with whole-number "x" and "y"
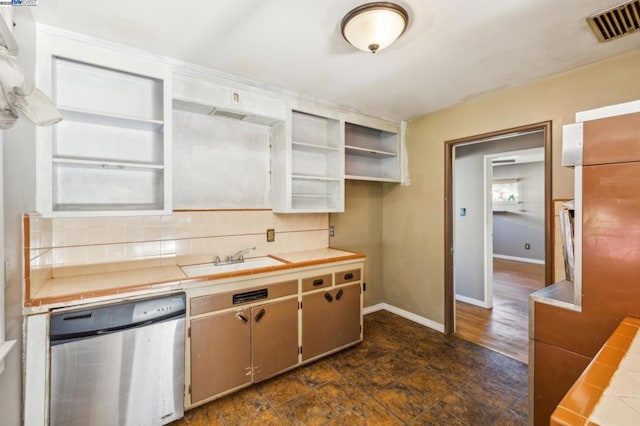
{"x": 212, "y": 302}
{"x": 347, "y": 276}
{"x": 313, "y": 283}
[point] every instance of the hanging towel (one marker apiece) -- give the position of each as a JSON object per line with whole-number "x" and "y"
{"x": 19, "y": 93}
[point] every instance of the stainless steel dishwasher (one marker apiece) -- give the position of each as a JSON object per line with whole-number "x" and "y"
{"x": 118, "y": 364}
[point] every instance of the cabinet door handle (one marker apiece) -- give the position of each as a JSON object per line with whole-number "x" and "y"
{"x": 260, "y": 314}
{"x": 317, "y": 283}
{"x": 242, "y": 316}
{"x": 339, "y": 295}
{"x": 329, "y": 297}
{"x": 348, "y": 276}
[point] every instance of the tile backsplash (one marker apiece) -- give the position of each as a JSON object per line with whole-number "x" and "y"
{"x": 61, "y": 247}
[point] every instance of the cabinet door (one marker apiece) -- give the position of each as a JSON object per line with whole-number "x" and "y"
{"x": 330, "y": 320}
{"x": 275, "y": 337}
{"x": 345, "y": 315}
{"x": 220, "y": 353}
{"x": 316, "y": 324}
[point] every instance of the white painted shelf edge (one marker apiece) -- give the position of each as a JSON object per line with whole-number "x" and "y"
{"x": 106, "y": 164}
{"x": 314, "y": 177}
{"x": 314, "y": 146}
{"x": 371, "y": 178}
{"x": 312, "y": 195}
{"x": 366, "y": 152}
{"x": 95, "y": 117}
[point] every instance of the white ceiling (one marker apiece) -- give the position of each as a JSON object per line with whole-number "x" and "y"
{"x": 452, "y": 50}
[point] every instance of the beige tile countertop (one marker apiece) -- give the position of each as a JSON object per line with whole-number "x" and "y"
{"x": 100, "y": 285}
{"x": 608, "y": 391}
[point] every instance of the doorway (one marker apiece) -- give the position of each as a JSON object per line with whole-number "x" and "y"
{"x": 485, "y": 145}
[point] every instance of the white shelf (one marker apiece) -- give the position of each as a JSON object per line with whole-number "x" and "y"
{"x": 105, "y": 119}
{"x": 311, "y": 195}
{"x": 371, "y": 178}
{"x": 106, "y": 164}
{"x": 313, "y": 177}
{"x": 366, "y": 152}
{"x": 311, "y": 146}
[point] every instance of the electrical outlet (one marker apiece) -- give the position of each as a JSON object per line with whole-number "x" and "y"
{"x": 271, "y": 235}
{"x": 527, "y": 246}
{"x": 332, "y": 231}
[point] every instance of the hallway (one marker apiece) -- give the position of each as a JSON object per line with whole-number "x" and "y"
{"x": 505, "y": 328}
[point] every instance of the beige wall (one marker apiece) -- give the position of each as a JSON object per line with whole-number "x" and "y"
{"x": 413, "y": 216}
{"x": 359, "y": 229}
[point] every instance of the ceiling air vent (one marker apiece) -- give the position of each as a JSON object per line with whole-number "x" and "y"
{"x": 616, "y": 22}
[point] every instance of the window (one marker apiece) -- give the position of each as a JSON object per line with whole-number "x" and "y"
{"x": 506, "y": 191}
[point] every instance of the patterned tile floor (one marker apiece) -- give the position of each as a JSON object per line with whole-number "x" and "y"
{"x": 403, "y": 373}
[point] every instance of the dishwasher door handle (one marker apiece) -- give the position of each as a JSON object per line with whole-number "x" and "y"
{"x": 123, "y": 327}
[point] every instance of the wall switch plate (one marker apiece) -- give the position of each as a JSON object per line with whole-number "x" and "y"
{"x": 271, "y": 235}
{"x": 332, "y": 231}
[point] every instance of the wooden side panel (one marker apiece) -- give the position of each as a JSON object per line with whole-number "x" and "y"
{"x": 220, "y": 354}
{"x": 612, "y": 140}
{"x": 556, "y": 370}
{"x": 345, "y": 316}
{"x": 275, "y": 337}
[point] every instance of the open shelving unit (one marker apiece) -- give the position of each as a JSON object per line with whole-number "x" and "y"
{"x": 317, "y": 167}
{"x": 108, "y": 153}
{"x": 371, "y": 154}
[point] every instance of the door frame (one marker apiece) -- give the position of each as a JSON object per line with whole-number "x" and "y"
{"x": 449, "y": 291}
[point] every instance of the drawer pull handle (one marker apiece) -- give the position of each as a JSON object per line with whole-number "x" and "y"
{"x": 260, "y": 314}
{"x": 328, "y": 297}
{"x": 317, "y": 283}
{"x": 339, "y": 295}
{"x": 348, "y": 276}
{"x": 242, "y": 316}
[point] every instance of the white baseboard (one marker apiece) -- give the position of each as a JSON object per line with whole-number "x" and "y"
{"x": 405, "y": 314}
{"x": 373, "y": 308}
{"x": 519, "y": 259}
{"x": 472, "y": 301}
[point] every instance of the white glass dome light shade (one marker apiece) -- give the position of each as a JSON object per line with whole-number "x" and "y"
{"x": 374, "y": 26}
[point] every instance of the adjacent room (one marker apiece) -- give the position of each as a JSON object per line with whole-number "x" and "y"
{"x": 319, "y": 212}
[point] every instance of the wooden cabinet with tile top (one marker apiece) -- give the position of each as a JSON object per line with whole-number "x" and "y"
{"x": 331, "y": 317}
{"x": 248, "y": 330}
{"x": 236, "y": 342}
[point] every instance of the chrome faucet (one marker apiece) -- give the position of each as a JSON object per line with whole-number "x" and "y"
{"x": 238, "y": 256}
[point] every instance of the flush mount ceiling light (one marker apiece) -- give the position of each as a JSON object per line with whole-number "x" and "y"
{"x": 374, "y": 26}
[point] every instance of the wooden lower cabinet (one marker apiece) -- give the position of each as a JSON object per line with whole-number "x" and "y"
{"x": 244, "y": 336}
{"x": 220, "y": 353}
{"x": 235, "y": 348}
{"x": 275, "y": 337}
{"x": 330, "y": 319}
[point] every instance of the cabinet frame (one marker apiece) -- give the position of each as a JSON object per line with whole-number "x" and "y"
{"x": 348, "y": 273}
{"x": 51, "y": 46}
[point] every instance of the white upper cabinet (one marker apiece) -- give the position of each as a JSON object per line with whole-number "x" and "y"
{"x": 308, "y": 165}
{"x": 111, "y": 153}
{"x": 372, "y": 153}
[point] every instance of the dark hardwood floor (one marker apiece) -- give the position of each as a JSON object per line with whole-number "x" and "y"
{"x": 402, "y": 374}
{"x": 505, "y": 328}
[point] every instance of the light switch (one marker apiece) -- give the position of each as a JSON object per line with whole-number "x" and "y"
{"x": 463, "y": 211}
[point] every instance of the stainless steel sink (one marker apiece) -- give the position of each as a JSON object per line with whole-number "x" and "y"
{"x": 212, "y": 268}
